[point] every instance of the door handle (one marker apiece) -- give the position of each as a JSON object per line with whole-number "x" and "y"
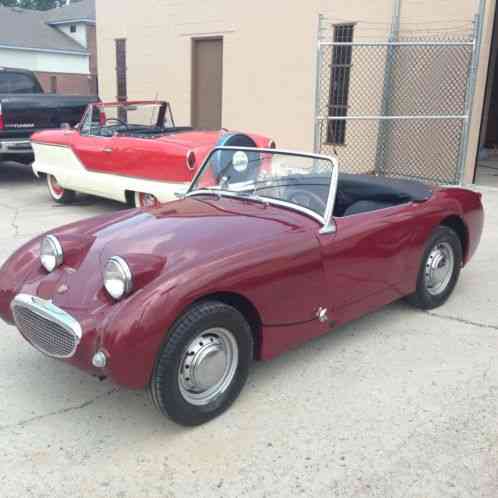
{"x": 107, "y": 149}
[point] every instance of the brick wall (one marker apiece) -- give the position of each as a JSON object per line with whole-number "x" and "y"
{"x": 68, "y": 84}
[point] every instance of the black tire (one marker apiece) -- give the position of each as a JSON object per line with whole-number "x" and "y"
{"x": 165, "y": 388}
{"x": 422, "y": 298}
{"x": 58, "y": 193}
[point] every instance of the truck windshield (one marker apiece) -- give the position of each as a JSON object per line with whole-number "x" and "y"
{"x": 12, "y": 82}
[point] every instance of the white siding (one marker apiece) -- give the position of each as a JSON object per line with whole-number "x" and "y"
{"x": 44, "y": 61}
{"x": 79, "y": 36}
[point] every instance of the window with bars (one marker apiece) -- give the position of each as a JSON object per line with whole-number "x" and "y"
{"x": 340, "y": 71}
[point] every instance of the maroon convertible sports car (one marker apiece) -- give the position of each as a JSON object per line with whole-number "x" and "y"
{"x": 267, "y": 249}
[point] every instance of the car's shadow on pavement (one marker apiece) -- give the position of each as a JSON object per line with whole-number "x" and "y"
{"x": 134, "y": 411}
{"x": 15, "y": 173}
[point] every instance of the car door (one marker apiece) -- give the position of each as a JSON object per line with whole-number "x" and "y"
{"x": 366, "y": 260}
{"x": 96, "y": 153}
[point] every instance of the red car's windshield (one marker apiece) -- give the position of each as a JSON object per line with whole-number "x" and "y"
{"x": 300, "y": 180}
{"x": 109, "y": 119}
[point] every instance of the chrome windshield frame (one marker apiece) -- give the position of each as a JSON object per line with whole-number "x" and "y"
{"x": 327, "y": 221}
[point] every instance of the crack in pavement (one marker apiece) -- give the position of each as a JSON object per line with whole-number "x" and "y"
{"x": 36, "y": 418}
{"x": 13, "y": 222}
{"x": 462, "y": 320}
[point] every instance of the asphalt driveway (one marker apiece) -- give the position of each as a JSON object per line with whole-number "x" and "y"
{"x": 401, "y": 403}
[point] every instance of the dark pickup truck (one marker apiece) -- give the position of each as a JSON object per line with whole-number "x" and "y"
{"x": 25, "y": 109}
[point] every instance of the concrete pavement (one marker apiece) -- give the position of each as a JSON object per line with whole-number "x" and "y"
{"x": 401, "y": 403}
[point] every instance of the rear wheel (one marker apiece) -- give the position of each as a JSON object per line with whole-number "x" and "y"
{"x": 439, "y": 270}
{"x": 144, "y": 200}
{"x": 203, "y": 365}
{"x": 59, "y": 194}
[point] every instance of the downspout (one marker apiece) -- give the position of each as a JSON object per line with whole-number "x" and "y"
{"x": 384, "y": 125}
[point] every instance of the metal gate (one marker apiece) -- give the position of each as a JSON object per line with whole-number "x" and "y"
{"x": 396, "y": 108}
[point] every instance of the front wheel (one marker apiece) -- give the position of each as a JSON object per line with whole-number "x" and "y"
{"x": 59, "y": 194}
{"x": 439, "y": 270}
{"x": 203, "y": 365}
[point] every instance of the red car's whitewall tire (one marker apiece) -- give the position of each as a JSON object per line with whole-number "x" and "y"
{"x": 58, "y": 193}
{"x": 144, "y": 200}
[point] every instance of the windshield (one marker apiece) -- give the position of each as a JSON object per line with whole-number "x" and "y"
{"x": 109, "y": 119}
{"x": 301, "y": 181}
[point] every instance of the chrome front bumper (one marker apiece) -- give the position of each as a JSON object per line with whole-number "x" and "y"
{"x": 45, "y": 326}
{"x": 16, "y": 146}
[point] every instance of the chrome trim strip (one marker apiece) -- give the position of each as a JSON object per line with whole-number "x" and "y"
{"x": 47, "y": 310}
{"x": 327, "y": 221}
{"x": 15, "y": 146}
{"x": 329, "y": 225}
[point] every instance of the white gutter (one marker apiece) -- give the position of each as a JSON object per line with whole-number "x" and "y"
{"x": 72, "y": 21}
{"x": 47, "y": 50}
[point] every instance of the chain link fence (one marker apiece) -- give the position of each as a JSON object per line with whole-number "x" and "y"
{"x": 395, "y": 108}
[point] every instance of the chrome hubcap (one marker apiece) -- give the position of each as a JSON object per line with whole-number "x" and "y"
{"x": 439, "y": 268}
{"x": 208, "y": 366}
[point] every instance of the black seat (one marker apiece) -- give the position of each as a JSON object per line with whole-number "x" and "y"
{"x": 365, "y": 206}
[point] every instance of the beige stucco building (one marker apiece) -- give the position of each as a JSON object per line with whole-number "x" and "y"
{"x": 253, "y": 65}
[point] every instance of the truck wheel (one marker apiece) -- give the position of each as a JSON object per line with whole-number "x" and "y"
{"x": 203, "y": 365}
{"x": 143, "y": 200}
{"x": 439, "y": 270}
{"x": 58, "y": 193}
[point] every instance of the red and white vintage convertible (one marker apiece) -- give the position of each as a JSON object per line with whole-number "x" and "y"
{"x": 266, "y": 250}
{"x": 130, "y": 152}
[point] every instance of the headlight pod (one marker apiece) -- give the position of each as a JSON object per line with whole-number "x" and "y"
{"x": 51, "y": 253}
{"x": 118, "y": 280}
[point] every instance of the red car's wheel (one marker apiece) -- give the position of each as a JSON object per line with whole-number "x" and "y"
{"x": 144, "y": 200}
{"x": 58, "y": 193}
{"x": 439, "y": 269}
{"x": 203, "y": 364}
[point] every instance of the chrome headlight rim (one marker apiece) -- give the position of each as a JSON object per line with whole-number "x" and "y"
{"x": 56, "y": 252}
{"x": 119, "y": 265}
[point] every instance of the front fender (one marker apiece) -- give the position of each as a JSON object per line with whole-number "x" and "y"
{"x": 21, "y": 267}
{"x": 132, "y": 334}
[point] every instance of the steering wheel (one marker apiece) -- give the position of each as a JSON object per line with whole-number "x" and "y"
{"x": 307, "y": 199}
{"x": 117, "y": 120}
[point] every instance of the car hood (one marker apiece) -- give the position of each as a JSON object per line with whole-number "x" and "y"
{"x": 195, "y": 231}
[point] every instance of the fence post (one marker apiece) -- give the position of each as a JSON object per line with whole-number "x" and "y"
{"x": 470, "y": 92}
{"x": 387, "y": 90}
{"x": 318, "y": 74}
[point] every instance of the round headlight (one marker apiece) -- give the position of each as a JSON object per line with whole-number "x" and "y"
{"x": 117, "y": 278}
{"x": 51, "y": 254}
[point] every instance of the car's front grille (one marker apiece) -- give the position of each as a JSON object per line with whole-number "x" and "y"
{"x": 48, "y": 334}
